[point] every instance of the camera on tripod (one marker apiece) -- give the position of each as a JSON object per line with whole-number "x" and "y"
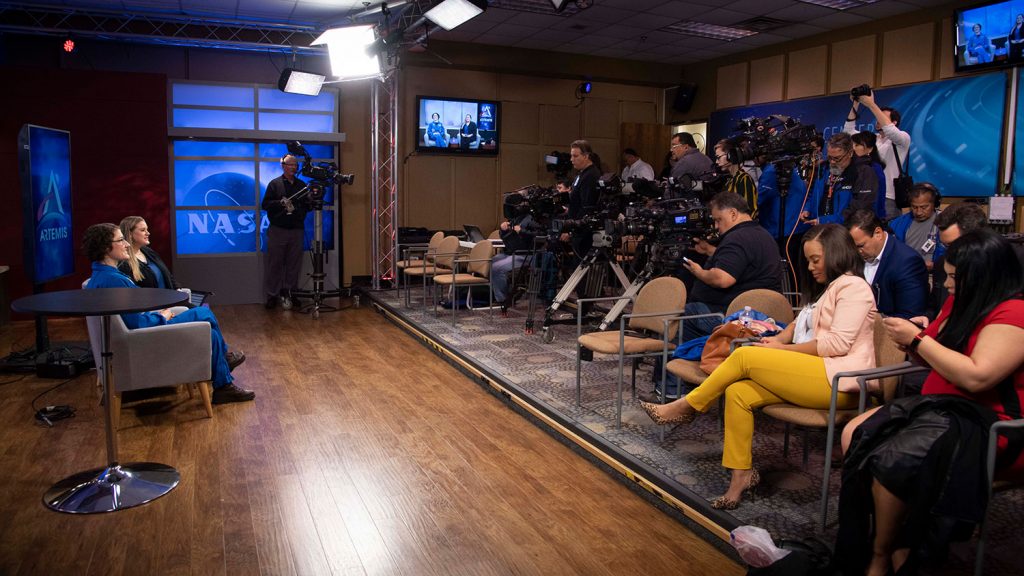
{"x": 558, "y": 163}
{"x": 777, "y": 137}
{"x": 321, "y": 174}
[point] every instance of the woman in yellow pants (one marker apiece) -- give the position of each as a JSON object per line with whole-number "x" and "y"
{"x": 833, "y": 333}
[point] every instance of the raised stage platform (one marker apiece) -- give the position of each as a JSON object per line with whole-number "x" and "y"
{"x": 684, "y": 470}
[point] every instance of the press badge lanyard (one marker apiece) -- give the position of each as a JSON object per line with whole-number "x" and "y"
{"x": 929, "y": 244}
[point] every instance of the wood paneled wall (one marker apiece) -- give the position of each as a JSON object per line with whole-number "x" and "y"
{"x": 538, "y": 115}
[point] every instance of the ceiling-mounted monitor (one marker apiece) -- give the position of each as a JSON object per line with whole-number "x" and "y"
{"x": 989, "y": 35}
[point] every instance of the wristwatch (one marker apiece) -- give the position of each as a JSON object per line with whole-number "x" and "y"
{"x": 916, "y": 341}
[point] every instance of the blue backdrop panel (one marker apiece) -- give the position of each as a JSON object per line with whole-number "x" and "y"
{"x": 955, "y": 125}
{"x": 307, "y": 241}
{"x": 214, "y": 183}
{"x": 213, "y": 231}
{"x": 1018, "y": 141}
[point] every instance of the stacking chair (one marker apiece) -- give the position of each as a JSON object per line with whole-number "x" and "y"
{"x": 477, "y": 266}
{"x": 890, "y": 357}
{"x": 655, "y": 315}
{"x": 770, "y": 302}
{"x": 495, "y": 235}
{"x": 440, "y": 263}
{"x": 414, "y": 255}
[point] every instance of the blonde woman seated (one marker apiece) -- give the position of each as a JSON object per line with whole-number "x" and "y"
{"x": 834, "y": 333}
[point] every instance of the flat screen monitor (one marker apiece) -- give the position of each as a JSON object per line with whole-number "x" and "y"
{"x": 457, "y": 126}
{"x": 44, "y": 161}
{"x": 989, "y": 35}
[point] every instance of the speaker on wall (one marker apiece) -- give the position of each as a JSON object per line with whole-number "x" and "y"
{"x": 684, "y": 97}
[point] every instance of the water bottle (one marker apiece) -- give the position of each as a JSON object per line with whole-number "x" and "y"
{"x": 746, "y": 317}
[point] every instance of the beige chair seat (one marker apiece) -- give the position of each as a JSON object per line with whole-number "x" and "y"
{"x": 426, "y": 270}
{"x": 686, "y": 370}
{"x": 812, "y": 417}
{"x": 460, "y": 279}
{"x": 411, "y": 263}
{"x": 608, "y": 343}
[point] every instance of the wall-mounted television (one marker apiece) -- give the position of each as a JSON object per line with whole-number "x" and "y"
{"x": 989, "y": 35}
{"x": 457, "y": 126}
{"x": 44, "y": 159}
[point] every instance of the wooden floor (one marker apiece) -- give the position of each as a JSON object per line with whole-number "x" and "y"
{"x": 363, "y": 453}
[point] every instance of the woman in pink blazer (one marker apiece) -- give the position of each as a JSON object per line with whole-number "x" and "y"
{"x": 833, "y": 333}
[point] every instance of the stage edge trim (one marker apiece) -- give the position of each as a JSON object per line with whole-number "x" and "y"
{"x": 594, "y": 450}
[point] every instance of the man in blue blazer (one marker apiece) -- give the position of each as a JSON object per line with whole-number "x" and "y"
{"x": 895, "y": 271}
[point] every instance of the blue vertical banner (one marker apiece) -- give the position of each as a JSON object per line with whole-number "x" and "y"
{"x": 1018, "y": 141}
{"x": 487, "y": 116}
{"x": 45, "y": 160}
{"x": 955, "y": 126}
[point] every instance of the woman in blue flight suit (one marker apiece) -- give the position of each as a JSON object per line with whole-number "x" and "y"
{"x": 436, "y": 132}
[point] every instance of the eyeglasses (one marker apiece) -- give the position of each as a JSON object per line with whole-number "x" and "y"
{"x": 674, "y": 146}
{"x": 121, "y": 240}
{"x": 292, "y": 165}
{"x": 839, "y": 158}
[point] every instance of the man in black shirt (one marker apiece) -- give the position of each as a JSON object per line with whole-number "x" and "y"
{"x": 747, "y": 257}
{"x": 584, "y": 194}
{"x": 285, "y": 234}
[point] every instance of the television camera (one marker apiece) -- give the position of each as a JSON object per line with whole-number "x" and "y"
{"x": 322, "y": 175}
{"x": 536, "y": 201}
{"x": 558, "y": 163}
{"x": 776, "y": 137}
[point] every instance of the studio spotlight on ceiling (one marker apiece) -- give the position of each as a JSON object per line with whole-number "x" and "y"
{"x": 347, "y": 48}
{"x": 299, "y": 82}
{"x": 584, "y": 87}
{"x": 451, "y": 13}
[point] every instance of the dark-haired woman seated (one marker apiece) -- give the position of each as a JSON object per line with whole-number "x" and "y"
{"x": 107, "y": 247}
{"x": 833, "y": 333}
{"x": 917, "y": 465}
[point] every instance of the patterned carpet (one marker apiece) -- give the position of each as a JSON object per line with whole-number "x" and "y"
{"x": 689, "y": 457}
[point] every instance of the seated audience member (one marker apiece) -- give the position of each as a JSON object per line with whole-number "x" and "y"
{"x": 895, "y": 272}
{"x": 144, "y": 267}
{"x": 864, "y": 146}
{"x": 746, "y": 258}
{"x": 917, "y": 228}
{"x": 953, "y": 222}
{"x": 518, "y": 240}
{"x": 833, "y": 333}
{"x": 917, "y": 465}
{"x": 107, "y": 247}
{"x": 979, "y": 46}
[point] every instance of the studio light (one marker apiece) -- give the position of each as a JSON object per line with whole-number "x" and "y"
{"x": 299, "y": 82}
{"x": 584, "y": 87}
{"x": 347, "y": 48}
{"x": 450, "y": 13}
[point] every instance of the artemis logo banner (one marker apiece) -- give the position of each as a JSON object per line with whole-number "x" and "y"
{"x": 50, "y": 161}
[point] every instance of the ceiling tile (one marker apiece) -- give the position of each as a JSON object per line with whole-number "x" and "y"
{"x": 681, "y": 10}
{"x": 624, "y": 32}
{"x": 802, "y": 12}
{"x": 723, "y": 17}
{"x": 506, "y": 29}
{"x": 604, "y": 14}
{"x": 535, "y": 20}
{"x": 650, "y": 21}
{"x": 560, "y": 35}
{"x": 758, "y": 40}
{"x": 634, "y": 5}
{"x": 798, "y": 30}
{"x": 497, "y": 15}
{"x": 839, "y": 20}
{"x": 883, "y": 9}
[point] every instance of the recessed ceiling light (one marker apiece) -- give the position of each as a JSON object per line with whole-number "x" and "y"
{"x": 708, "y": 30}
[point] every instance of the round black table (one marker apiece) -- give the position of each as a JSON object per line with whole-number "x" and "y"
{"x": 116, "y": 486}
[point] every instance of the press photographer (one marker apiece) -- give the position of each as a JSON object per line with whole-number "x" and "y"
{"x": 893, "y": 146}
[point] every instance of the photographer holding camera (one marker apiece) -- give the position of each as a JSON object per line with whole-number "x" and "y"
{"x": 285, "y": 234}
{"x": 893, "y": 144}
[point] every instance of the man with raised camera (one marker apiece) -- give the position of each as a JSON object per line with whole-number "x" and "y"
{"x": 746, "y": 258}
{"x": 893, "y": 144}
{"x": 691, "y": 167}
{"x": 287, "y": 216}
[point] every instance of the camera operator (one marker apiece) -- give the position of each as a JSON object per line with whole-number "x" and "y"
{"x": 285, "y": 234}
{"x": 852, "y": 184}
{"x": 635, "y": 167}
{"x": 729, "y": 157}
{"x": 690, "y": 165}
{"x": 517, "y": 235}
{"x": 891, "y": 141}
{"x": 746, "y": 258}
{"x": 584, "y": 194}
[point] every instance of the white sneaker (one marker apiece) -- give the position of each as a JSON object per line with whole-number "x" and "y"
{"x": 286, "y": 303}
